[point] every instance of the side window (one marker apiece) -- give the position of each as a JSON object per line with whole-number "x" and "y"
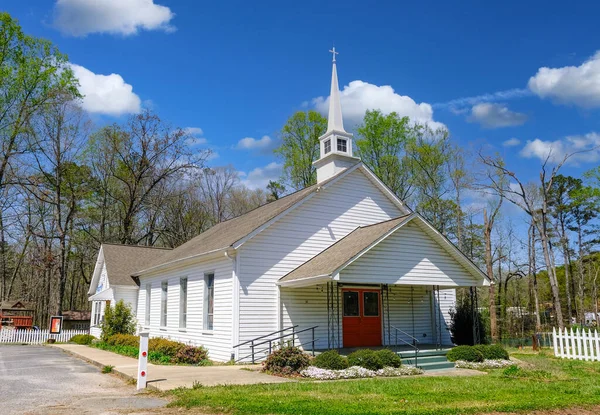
{"x": 327, "y": 146}
{"x": 164, "y": 287}
{"x": 183, "y": 282}
{"x": 148, "y": 302}
{"x": 342, "y": 145}
{"x": 209, "y": 300}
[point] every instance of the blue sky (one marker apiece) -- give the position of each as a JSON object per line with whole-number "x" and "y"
{"x": 236, "y": 70}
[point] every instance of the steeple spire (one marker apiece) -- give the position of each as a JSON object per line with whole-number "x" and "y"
{"x": 335, "y": 121}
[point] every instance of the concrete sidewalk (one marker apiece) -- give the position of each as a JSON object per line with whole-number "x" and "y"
{"x": 163, "y": 377}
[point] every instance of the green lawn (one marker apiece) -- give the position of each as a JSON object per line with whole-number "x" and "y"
{"x": 545, "y": 383}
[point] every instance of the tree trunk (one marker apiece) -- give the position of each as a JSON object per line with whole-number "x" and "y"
{"x": 533, "y": 272}
{"x": 490, "y": 271}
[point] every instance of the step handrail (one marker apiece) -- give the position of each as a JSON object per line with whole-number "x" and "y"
{"x": 270, "y": 341}
{"x": 413, "y": 344}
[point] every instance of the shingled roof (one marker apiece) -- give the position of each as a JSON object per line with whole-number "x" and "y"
{"x": 225, "y": 234}
{"x": 122, "y": 260}
{"x": 338, "y": 254}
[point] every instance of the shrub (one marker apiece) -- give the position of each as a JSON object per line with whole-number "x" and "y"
{"x": 495, "y": 352}
{"x": 164, "y": 346}
{"x": 465, "y": 353}
{"x": 107, "y": 369}
{"x": 461, "y": 325}
{"x": 365, "y": 358}
{"x": 123, "y": 340}
{"x": 118, "y": 320}
{"x": 191, "y": 355}
{"x": 389, "y": 358}
{"x": 288, "y": 361}
{"x": 330, "y": 359}
{"x": 85, "y": 339}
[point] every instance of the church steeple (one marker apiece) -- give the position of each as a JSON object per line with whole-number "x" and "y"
{"x": 336, "y": 143}
{"x": 335, "y": 121}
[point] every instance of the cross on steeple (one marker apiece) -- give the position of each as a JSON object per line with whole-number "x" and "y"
{"x": 334, "y": 53}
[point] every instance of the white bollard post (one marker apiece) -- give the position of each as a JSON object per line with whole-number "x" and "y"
{"x": 142, "y": 376}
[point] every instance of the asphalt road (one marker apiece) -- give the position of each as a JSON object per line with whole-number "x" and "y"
{"x": 45, "y": 380}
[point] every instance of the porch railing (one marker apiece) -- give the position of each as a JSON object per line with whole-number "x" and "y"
{"x": 273, "y": 342}
{"x": 414, "y": 343}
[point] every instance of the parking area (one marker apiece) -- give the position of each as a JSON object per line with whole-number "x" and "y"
{"x": 45, "y": 380}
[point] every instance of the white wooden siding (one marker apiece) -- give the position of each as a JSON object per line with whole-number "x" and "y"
{"x": 217, "y": 341}
{"x": 447, "y": 302}
{"x": 409, "y": 256}
{"x": 129, "y": 295}
{"x": 306, "y": 307}
{"x": 298, "y": 236}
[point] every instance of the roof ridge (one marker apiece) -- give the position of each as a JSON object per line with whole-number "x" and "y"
{"x": 383, "y": 221}
{"x": 137, "y": 246}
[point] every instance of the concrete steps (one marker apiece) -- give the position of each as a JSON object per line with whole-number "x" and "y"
{"x": 427, "y": 359}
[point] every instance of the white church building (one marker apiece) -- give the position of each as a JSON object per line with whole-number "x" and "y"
{"x": 342, "y": 263}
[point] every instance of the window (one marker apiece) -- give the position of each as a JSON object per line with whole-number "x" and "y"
{"x": 371, "y": 304}
{"x": 351, "y": 304}
{"x": 182, "y": 302}
{"x": 97, "y": 307}
{"x": 342, "y": 145}
{"x": 209, "y": 300}
{"x": 327, "y": 146}
{"x": 148, "y": 300}
{"x": 164, "y": 287}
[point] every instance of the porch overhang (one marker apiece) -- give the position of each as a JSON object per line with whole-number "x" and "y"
{"x": 330, "y": 263}
{"x": 105, "y": 295}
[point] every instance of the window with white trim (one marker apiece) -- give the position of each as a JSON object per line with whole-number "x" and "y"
{"x": 164, "y": 289}
{"x": 342, "y": 145}
{"x": 183, "y": 302}
{"x": 148, "y": 302}
{"x": 209, "y": 300}
{"x": 327, "y": 146}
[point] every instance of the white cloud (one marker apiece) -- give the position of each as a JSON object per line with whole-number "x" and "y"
{"x": 359, "y": 96}
{"x": 578, "y": 85}
{"x": 511, "y": 142}
{"x": 457, "y": 105}
{"x": 124, "y": 17}
{"x": 195, "y": 131}
{"x": 585, "y": 149}
{"x": 195, "y": 136}
{"x": 105, "y": 94}
{"x": 249, "y": 143}
{"x": 490, "y": 115}
{"x": 259, "y": 177}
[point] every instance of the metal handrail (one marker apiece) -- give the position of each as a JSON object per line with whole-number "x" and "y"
{"x": 415, "y": 340}
{"x": 413, "y": 344}
{"x": 270, "y": 341}
{"x": 266, "y": 335}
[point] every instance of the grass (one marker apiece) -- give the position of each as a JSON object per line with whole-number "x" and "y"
{"x": 107, "y": 369}
{"x": 543, "y": 383}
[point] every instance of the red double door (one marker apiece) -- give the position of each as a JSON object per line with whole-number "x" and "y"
{"x": 361, "y": 324}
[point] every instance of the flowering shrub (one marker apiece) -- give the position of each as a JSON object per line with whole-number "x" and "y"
{"x": 191, "y": 355}
{"x": 123, "y": 340}
{"x": 356, "y": 372}
{"x": 486, "y": 364}
{"x": 286, "y": 361}
{"x": 84, "y": 339}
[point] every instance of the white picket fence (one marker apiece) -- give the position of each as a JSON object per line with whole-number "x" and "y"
{"x": 578, "y": 344}
{"x": 36, "y": 336}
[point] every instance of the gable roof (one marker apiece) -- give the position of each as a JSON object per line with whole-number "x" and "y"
{"x": 345, "y": 251}
{"x": 234, "y": 231}
{"x": 123, "y": 260}
{"x": 76, "y": 315}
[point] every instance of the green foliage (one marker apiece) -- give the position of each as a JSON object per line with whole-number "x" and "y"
{"x": 275, "y": 190}
{"x": 287, "y": 361}
{"x": 165, "y": 346}
{"x": 495, "y": 352}
{"x": 330, "y": 359}
{"x": 366, "y": 358}
{"x": 123, "y": 340}
{"x": 515, "y": 371}
{"x": 118, "y": 320}
{"x": 465, "y": 353}
{"x": 84, "y": 339}
{"x": 300, "y": 147}
{"x": 107, "y": 369}
{"x": 389, "y": 358}
{"x": 191, "y": 355}
{"x": 462, "y": 323}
